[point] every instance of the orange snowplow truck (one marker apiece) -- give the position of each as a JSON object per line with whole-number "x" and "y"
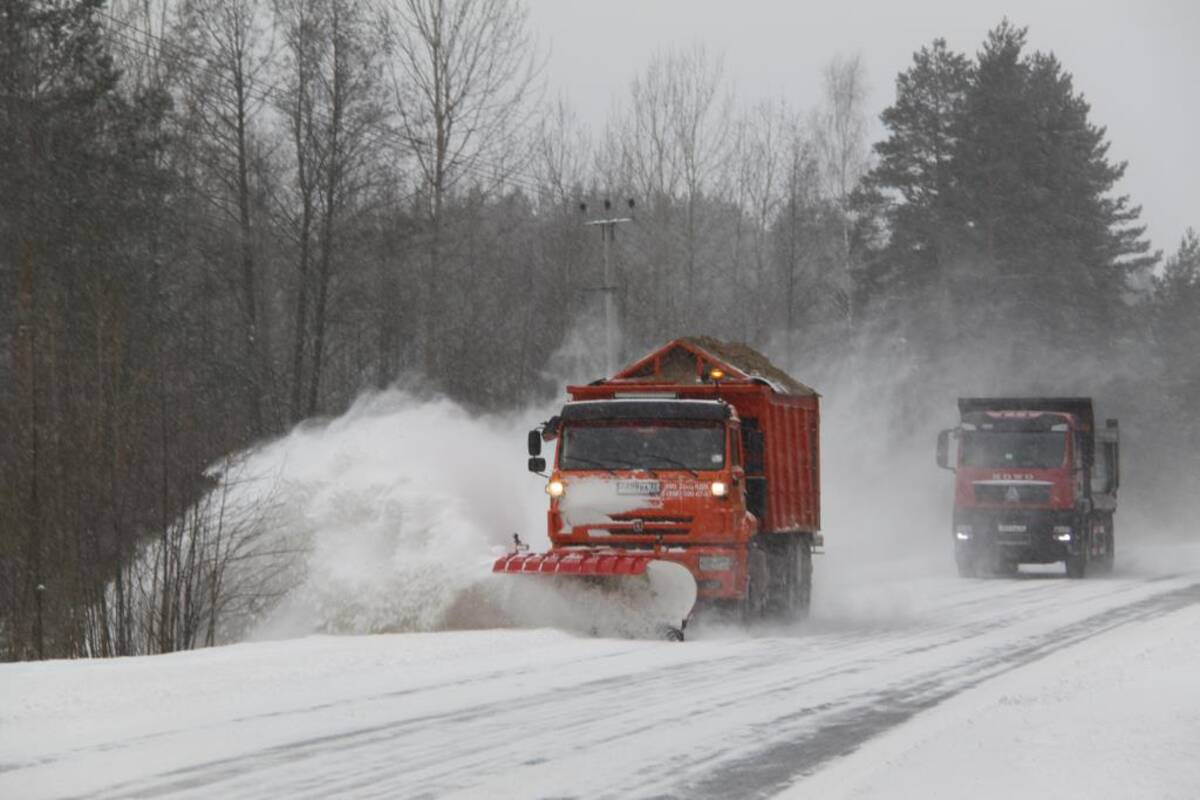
{"x": 701, "y": 455}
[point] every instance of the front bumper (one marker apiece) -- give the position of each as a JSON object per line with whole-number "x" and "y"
{"x": 1025, "y": 537}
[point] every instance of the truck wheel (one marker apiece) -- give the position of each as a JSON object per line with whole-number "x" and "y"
{"x": 1005, "y": 568}
{"x": 804, "y": 585}
{"x": 754, "y": 605}
{"x": 1077, "y": 565}
{"x": 783, "y": 568}
{"x": 748, "y": 608}
{"x": 1109, "y": 558}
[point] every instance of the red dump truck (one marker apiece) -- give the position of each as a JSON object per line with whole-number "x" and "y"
{"x": 701, "y": 456}
{"x": 1035, "y": 482}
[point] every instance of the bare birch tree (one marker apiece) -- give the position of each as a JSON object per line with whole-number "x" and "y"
{"x": 562, "y": 151}
{"x": 701, "y": 109}
{"x": 674, "y": 139}
{"x": 463, "y": 73}
{"x": 227, "y": 49}
{"x": 840, "y": 127}
{"x": 349, "y": 75}
{"x": 766, "y": 135}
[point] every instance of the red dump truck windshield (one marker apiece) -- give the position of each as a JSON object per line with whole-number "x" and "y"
{"x": 643, "y": 445}
{"x": 999, "y": 449}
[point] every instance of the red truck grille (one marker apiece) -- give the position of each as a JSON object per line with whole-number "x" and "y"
{"x": 650, "y": 526}
{"x": 1011, "y": 493}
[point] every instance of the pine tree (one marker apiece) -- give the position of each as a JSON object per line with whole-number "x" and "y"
{"x": 1033, "y": 186}
{"x": 913, "y": 178}
{"x": 1004, "y": 218}
{"x": 1176, "y": 305}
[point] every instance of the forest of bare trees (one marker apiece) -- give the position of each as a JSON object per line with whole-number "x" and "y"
{"x": 222, "y": 217}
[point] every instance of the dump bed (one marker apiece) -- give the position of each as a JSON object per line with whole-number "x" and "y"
{"x": 780, "y": 419}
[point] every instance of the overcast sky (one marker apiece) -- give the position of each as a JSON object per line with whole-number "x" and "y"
{"x": 1138, "y": 63}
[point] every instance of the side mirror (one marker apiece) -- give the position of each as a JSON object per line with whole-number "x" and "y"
{"x": 537, "y": 465}
{"x": 535, "y": 443}
{"x": 943, "y": 449}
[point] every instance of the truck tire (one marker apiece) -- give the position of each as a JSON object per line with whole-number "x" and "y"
{"x": 784, "y": 576}
{"x": 1106, "y": 562}
{"x": 1005, "y": 568}
{"x": 1077, "y": 563}
{"x": 804, "y": 587}
{"x": 754, "y": 605}
{"x": 967, "y": 567}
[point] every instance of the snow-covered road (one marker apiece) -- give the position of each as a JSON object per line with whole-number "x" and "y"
{"x": 548, "y": 714}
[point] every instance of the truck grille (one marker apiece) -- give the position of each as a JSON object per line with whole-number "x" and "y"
{"x": 650, "y": 526}
{"x": 1011, "y": 493}
{"x": 648, "y": 518}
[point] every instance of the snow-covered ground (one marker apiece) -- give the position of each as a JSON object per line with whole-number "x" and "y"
{"x": 916, "y": 684}
{"x": 905, "y": 681}
{"x": 1117, "y": 716}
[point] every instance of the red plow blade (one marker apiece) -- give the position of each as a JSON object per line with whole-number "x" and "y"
{"x": 573, "y": 563}
{"x": 632, "y": 594}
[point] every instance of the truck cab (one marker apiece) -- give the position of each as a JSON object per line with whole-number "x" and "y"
{"x": 1031, "y": 486}
{"x": 653, "y": 473}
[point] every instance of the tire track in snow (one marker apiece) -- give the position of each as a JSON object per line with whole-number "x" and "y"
{"x": 774, "y": 709}
{"x": 776, "y": 767}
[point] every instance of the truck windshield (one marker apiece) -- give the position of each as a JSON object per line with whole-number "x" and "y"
{"x": 1031, "y": 449}
{"x": 643, "y": 446}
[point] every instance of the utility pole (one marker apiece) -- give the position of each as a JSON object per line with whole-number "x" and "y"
{"x": 33, "y": 511}
{"x": 39, "y": 634}
{"x": 608, "y": 234}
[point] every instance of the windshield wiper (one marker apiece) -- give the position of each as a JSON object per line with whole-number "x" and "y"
{"x": 633, "y": 465}
{"x": 600, "y": 464}
{"x": 619, "y": 461}
{"x": 680, "y": 464}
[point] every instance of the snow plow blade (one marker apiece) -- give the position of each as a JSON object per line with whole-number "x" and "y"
{"x": 631, "y": 594}
{"x": 574, "y": 563}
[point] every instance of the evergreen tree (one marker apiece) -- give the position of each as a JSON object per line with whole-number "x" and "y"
{"x": 79, "y": 227}
{"x": 1004, "y": 217}
{"x": 913, "y": 178}
{"x": 1177, "y": 338}
{"x": 1034, "y": 186}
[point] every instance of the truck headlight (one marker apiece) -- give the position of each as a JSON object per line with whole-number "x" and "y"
{"x": 715, "y": 563}
{"x": 555, "y": 488}
{"x": 719, "y": 488}
{"x": 962, "y": 532}
{"x": 1062, "y": 533}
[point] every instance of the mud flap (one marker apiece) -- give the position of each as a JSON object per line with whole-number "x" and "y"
{"x": 603, "y": 593}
